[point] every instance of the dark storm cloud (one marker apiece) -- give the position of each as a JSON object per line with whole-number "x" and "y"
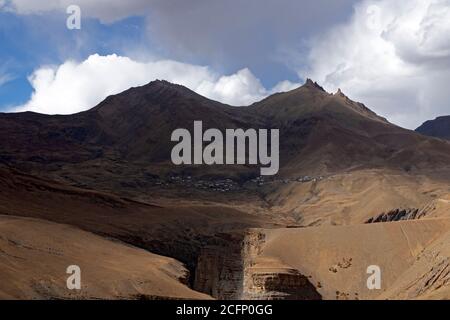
{"x": 235, "y": 34}
{"x": 227, "y": 35}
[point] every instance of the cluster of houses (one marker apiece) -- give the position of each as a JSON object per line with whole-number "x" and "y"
{"x": 260, "y": 181}
{"x": 229, "y": 185}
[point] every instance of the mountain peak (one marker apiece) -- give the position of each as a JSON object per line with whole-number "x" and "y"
{"x": 163, "y": 89}
{"x": 155, "y": 95}
{"x": 164, "y": 84}
{"x": 357, "y": 106}
{"x": 313, "y": 85}
{"x": 438, "y": 128}
{"x": 340, "y": 93}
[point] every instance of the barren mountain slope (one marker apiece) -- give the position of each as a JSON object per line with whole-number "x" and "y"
{"x": 35, "y": 254}
{"x": 124, "y": 143}
{"x": 355, "y": 197}
{"x": 176, "y": 230}
{"x": 335, "y": 259}
{"x": 428, "y": 277}
{"x": 363, "y": 164}
{"x": 439, "y": 128}
{"x": 324, "y": 133}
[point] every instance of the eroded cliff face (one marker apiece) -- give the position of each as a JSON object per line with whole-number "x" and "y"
{"x": 438, "y": 208}
{"x": 398, "y": 215}
{"x": 219, "y": 268}
{"x": 428, "y": 277}
{"x": 270, "y": 279}
{"x": 283, "y": 284}
{"x": 233, "y": 269}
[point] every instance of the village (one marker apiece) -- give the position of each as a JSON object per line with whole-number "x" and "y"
{"x": 228, "y": 185}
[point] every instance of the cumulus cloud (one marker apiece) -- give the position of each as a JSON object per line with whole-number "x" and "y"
{"x": 72, "y": 87}
{"x": 392, "y": 55}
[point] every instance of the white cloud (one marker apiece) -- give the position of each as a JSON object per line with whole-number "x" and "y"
{"x": 73, "y": 87}
{"x": 241, "y": 88}
{"x": 5, "y": 75}
{"x": 392, "y": 55}
{"x": 4, "y": 78}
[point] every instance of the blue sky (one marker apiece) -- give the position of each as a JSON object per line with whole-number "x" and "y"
{"x": 392, "y": 56}
{"x": 28, "y": 42}
{"x": 31, "y": 41}
{"x": 33, "y": 36}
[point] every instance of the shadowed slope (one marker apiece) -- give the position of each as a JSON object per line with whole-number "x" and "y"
{"x": 35, "y": 254}
{"x": 439, "y": 128}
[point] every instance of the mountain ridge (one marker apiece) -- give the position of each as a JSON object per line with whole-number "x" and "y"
{"x": 320, "y": 132}
{"x": 438, "y": 128}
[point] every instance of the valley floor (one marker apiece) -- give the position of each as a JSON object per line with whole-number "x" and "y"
{"x": 188, "y": 249}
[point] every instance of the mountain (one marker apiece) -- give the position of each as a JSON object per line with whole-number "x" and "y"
{"x": 320, "y": 132}
{"x": 324, "y": 133}
{"x": 121, "y": 126}
{"x": 123, "y": 146}
{"x": 439, "y": 128}
{"x": 107, "y": 171}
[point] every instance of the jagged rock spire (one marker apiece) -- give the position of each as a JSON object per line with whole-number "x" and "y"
{"x": 312, "y": 84}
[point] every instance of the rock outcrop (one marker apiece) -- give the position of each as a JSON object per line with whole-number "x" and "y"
{"x": 233, "y": 270}
{"x": 271, "y": 280}
{"x": 219, "y": 270}
{"x": 398, "y": 215}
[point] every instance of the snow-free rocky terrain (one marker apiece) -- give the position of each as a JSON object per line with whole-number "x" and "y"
{"x": 97, "y": 189}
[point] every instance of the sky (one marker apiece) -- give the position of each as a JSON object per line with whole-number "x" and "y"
{"x": 392, "y": 55}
